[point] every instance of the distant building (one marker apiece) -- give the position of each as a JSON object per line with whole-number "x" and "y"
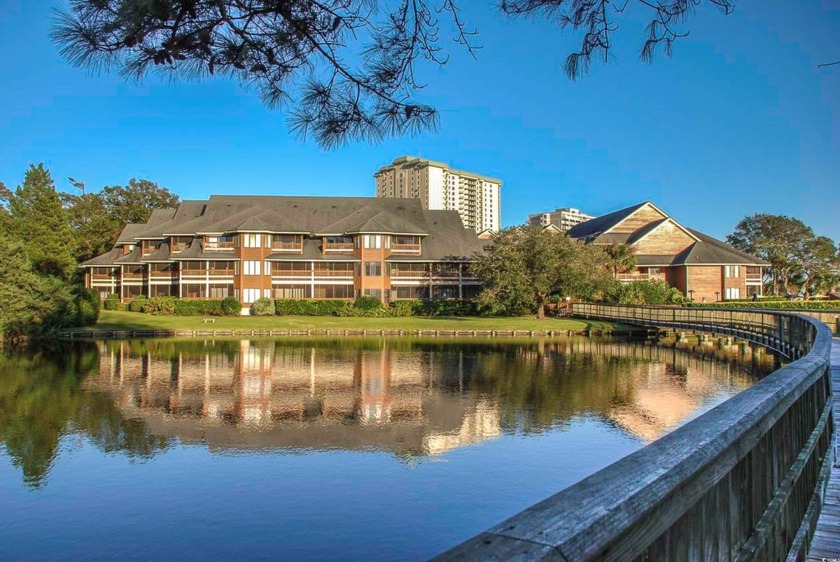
{"x": 564, "y": 218}
{"x": 700, "y": 266}
{"x": 477, "y": 198}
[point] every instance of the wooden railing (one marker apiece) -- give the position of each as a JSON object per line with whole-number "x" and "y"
{"x": 218, "y": 246}
{"x": 408, "y": 273}
{"x": 339, "y": 247}
{"x": 639, "y": 276}
{"x": 405, "y": 247}
{"x": 291, "y": 272}
{"x": 744, "y": 481}
{"x": 287, "y": 246}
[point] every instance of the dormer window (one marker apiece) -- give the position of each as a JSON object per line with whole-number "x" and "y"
{"x": 335, "y": 244}
{"x": 288, "y": 243}
{"x": 218, "y": 243}
{"x": 405, "y": 244}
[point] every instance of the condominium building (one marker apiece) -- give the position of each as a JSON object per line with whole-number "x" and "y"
{"x": 438, "y": 187}
{"x": 701, "y": 267}
{"x": 564, "y": 218}
{"x": 291, "y": 247}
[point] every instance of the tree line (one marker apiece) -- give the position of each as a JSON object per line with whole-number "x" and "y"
{"x": 45, "y": 234}
{"x": 801, "y": 262}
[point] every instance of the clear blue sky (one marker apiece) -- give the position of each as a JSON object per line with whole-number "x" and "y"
{"x": 739, "y": 121}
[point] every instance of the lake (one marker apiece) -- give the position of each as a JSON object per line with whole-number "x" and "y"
{"x": 382, "y": 448}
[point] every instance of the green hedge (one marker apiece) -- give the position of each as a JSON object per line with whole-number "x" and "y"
{"x": 199, "y": 308}
{"x": 138, "y": 304}
{"x": 772, "y": 305}
{"x": 231, "y": 306}
{"x": 303, "y": 307}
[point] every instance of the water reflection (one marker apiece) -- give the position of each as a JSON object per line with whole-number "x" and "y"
{"x": 408, "y": 397}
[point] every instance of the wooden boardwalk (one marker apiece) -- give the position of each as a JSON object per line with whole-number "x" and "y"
{"x": 826, "y": 543}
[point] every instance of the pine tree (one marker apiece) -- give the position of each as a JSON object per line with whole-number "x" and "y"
{"x": 38, "y": 221}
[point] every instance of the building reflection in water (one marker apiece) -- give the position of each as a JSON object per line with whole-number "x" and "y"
{"x": 409, "y": 397}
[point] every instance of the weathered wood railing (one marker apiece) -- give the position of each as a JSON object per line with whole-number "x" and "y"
{"x": 744, "y": 481}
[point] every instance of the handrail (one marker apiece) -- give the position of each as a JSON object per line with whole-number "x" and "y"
{"x": 743, "y": 481}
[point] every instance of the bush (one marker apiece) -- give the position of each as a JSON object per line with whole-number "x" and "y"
{"x": 138, "y": 304}
{"x": 303, "y": 307}
{"x": 231, "y": 306}
{"x": 111, "y": 302}
{"x": 772, "y": 305}
{"x": 367, "y": 302}
{"x": 263, "y": 307}
{"x": 647, "y": 292}
{"x": 448, "y": 308}
{"x": 161, "y": 306}
{"x": 198, "y": 308}
{"x": 406, "y": 308}
{"x": 86, "y": 307}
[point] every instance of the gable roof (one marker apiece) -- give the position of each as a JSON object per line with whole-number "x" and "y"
{"x": 592, "y": 228}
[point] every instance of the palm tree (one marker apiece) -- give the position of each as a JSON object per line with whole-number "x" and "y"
{"x": 621, "y": 258}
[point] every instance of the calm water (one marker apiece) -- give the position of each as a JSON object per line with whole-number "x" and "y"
{"x": 353, "y": 449}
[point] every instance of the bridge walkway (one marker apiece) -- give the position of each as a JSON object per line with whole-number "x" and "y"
{"x": 826, "y": 543}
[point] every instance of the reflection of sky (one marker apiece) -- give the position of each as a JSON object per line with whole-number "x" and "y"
{"x": 190, "y": 503}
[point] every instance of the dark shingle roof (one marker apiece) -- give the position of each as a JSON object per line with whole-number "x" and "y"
{"x": 712, "y": 251}
{"x": 594, "y": 227}
{"x": 108, "y": 258}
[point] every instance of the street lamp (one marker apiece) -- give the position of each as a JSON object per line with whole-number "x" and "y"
{"x": 717, "y": 295}
{"x": 691, "y": 294}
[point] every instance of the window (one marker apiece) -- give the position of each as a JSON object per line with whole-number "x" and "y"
{"x": 373, "y": 293}
{"x": 250, "y": 295}
{"x": 733, "y": 293}
{"x": 193, "y": 291}
{"x": 373, "y": 241}
{"x": 373, "y": 268}
{"x": 333, "y": 291}
{"x": 192, "y": 267}
{"x": 291, "y": 291}
{"x": 252, "y": 240}
{"x": 445, "y": 292}
{"x": 251, "y": 268}
{"x": 409, "y": 292}
{"x": 732, "y": 271}
{"x": 160, "y": 291}
{"x": 219, "y": 291}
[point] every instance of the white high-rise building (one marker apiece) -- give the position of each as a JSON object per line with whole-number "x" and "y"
{"x": 476, "y": 198}
{"x": 564, "y": 218}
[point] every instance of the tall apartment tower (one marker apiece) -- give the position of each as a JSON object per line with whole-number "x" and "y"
{"x": 564, "y": 218}
{"x": 476, "y": 198}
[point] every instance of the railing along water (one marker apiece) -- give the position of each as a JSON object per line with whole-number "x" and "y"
{"x": 744, "y": 481}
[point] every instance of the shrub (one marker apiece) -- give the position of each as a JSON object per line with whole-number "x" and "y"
{"x": 303, "y": 307}
{"x": 138, "y": 304}
{"x": 83, "y": 310}
{"x": 111, "y": 302}
{"x": 647, "y": 292}
{"x": 406, "y": 308}
{"x": 263, "y": 307}
{"x": 161, "y": 306}
{"x": 231, "y": 306}
{"x": 198, "y": 308}
{"x": 772, "y": 305}
{"x": 367, "y": 302}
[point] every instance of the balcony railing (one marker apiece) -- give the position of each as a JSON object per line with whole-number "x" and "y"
{"x": 287, "y": 246}
{"x": 334, "y": 273}
{"x": 754, "y": 277}
{"x": 291, "y": 272}
{"x": 405, "y": 247}
{"x": 409, "y": 273}
{"x": 640, "y": 276}
{"x": 213, "y": 271}
{"x": 102, "y": 276}
{"x": 218, "y": 246}
{"x": 339, "y": 247}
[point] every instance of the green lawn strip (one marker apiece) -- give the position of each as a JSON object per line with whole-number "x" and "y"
{"x": 135, "y": 321}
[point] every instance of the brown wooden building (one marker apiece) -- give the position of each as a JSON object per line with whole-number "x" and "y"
{"x": 700, "y": 266}
{"x": 250, "y": 247}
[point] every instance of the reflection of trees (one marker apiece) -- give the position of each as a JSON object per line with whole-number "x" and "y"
{"x": 41, "y": 401}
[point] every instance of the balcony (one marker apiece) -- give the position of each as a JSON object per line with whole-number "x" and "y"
{"x": 640, "y": 277}
{"x": 219, "y": 272}
{"x": 754, "y": 278}
{"x": 138, "y": 275}
{"x": 287, "y": 247}
{"x": 339, "y": 247}
{"x": 409, "y": 273}
{"x": 218, "y": 246}
{"x": 291, "y": 272}
{"x": 405, "y": 248}
{"x": 102, "y": 277}
{"x": 334, "y": 273}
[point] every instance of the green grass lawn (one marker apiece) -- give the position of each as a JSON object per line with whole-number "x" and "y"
{"x": 113, "y": 320}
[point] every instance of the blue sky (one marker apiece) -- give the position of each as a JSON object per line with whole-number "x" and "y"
{"x": 739, "y": 121}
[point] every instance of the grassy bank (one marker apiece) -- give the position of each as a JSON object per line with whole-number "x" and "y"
{"x": 116, "y": 320}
